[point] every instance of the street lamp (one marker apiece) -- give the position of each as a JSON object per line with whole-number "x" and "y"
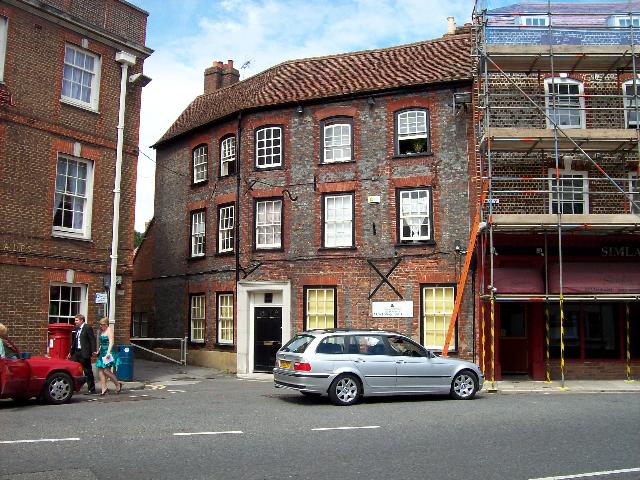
{"x": 125, "y": 60}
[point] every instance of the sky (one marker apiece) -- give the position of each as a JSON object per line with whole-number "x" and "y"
{"x": 187, "y": 36}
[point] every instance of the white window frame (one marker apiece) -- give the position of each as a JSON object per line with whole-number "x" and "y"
{"x": 87, "y": 199}
{"x": 226, "y": 223}
{"x": 630, "y": 102}
{"x": 82, "y": 303}
{"x": 562, "y": 100}
{"x": 566, "y": 174}
{"x": 534, "y": 21}
{"x": 634, "y": 191}
{"x": 413, "y": 212}
{"x": 94, "y": 85}
{"x": 325, "y": 318}
{"x": 412, "y": 124}
{"x": 198, "y": 233}
{"x": 139, "y": 324}
{"x": 338, "y": 221}
{"x": 227, "y": 155}
{"x": 337, "y": 146}
{"x": 197, "y": 318}
{"x": 269, "y": 147}
{"x": 268, "y": 224}
{"x": 200, "y": 159}
{"x": 624, "y": 21}
{"x": 4, "y": 28}
{"x": 225, "y": 318}
{"x": 439, "y": 316}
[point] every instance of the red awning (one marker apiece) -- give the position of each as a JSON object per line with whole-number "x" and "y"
{"x": 595, "y": 277}
{"x": 518, "y": 280}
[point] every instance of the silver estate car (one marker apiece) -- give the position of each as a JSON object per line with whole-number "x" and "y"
{"x": 347, "y": 364}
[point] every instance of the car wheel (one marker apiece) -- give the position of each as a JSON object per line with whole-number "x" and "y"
{"x": 58, "y": 388}
{"x": 345, "y": 390}
{"x": 464, "y": 385}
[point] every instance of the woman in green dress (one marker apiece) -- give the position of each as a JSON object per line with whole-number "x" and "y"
{"x": 107, "y": 358}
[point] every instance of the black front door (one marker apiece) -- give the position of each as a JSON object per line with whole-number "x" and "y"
{"x": 268, "y": 337}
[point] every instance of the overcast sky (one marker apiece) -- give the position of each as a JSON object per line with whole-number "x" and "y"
{"x": 188, "y": 35}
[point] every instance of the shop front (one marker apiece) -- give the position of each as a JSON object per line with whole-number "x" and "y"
{"x": 598, "y": 281}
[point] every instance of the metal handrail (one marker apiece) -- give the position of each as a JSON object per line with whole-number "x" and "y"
{"x": 183, "y": 348}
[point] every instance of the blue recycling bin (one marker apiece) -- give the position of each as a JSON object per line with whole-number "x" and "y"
{"x": 124, "y": 371}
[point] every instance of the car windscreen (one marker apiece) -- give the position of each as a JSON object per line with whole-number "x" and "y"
{"x": 298, "y": 344}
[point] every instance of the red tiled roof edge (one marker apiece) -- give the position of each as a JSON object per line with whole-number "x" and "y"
{"x": 441, "y": 60}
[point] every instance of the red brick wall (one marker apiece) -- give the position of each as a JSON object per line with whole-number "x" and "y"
{"x": 35, "y": 129}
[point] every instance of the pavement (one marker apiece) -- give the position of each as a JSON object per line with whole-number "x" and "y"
{"x": 147, "y": 374}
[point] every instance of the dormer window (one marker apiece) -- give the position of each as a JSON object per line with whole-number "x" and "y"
{"x": 625, "y": 21}
{"x": 534, "y": 21}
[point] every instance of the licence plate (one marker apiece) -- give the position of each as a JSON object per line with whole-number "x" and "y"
{"x": 285, "y": 364}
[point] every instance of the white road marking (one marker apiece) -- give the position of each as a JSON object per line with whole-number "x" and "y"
{"x": 230, "y": 432}
{"x": 590, "y": 474}
{"x": 177, "y": 391}
{"x": 74, "y": 439}
{"x": 344, "y": 428}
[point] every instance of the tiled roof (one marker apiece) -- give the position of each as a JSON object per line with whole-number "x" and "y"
{"x": 434, "y": 61}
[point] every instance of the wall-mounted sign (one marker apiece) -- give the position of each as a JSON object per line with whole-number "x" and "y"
{"x": 401, "y": 308}
{"x": 101, "y": 297}
{"x": 373, "y": 198}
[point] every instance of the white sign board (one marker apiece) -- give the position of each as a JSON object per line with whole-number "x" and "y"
{"x": 401, "y": 308}
{"x": 101, "y": 297}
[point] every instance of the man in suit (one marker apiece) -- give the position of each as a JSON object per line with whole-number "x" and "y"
{"x": 83, "y": 347}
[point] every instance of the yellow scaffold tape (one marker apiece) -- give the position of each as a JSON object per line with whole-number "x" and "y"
{"x": 483, "y": 338}
{"x": 562, "y": 339}
{"x": 629, "y": 379}
{"x": 493, "y": 353}
{"x": 547, "y": 342}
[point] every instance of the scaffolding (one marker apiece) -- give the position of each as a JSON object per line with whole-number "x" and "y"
{"x": 557, "y": 127}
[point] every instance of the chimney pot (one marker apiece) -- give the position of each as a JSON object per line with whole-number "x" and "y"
{"x": 451, "y": 25}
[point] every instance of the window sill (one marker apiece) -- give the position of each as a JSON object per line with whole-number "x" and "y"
{"x": 70, "y": 236}
{"x": 195, "y": 259}
{"x": 330, "y": 249}
{"x": 224, "y": 254}
{"x": 267, "y": 169}
{"x": 197, "y": 342}
{"x": 348, "y": 162}
{"x": 268, "y": 249}
{"x": 412, "y": 155}
{"x": 225, "y": 346}
{"x": 416, "y": 244}
{"x": 231, "y": 175}
{"x": 199, "y": 184}
{"x": 82, "y": 106}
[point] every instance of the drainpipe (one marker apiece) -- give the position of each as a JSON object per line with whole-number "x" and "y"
{"x": 237, "y": 209}
{"x": 125, "y": 60}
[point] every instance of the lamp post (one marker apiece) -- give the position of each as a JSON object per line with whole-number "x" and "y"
{"x": 125, "y": 60}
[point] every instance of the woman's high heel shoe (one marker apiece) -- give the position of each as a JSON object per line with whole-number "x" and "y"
{"x": 102, "y": 394}
{"x": 119, "y": 387}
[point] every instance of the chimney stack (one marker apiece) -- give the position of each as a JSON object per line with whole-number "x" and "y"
{"x": 220, "y": 75}
{"x": 451, "y": 26}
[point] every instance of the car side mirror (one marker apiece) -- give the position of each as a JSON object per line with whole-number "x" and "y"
{"x": 25, "y": 355}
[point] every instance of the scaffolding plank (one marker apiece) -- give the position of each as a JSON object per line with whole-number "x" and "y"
{"x": 577, "y": 58}
{"x": 592, "y": 139}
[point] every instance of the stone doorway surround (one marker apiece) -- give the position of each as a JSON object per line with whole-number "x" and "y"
{"x": 251, "y": 294}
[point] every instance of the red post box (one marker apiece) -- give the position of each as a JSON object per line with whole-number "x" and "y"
{"x": 59, "y": 339}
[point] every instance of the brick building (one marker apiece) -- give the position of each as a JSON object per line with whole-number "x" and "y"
{"x": 59, "y": 98}
{"x": 309, "y": 195}
{"x": 559, "y": 274}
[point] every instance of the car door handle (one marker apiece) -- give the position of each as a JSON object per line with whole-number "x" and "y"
{"x": 359, "y": 360}
{"x": 399, "y": 361}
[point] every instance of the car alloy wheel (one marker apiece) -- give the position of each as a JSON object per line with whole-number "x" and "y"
{"x": 464, "y": 385}
{"x": 58, "y": 388}
{"x": 345, "y": 390}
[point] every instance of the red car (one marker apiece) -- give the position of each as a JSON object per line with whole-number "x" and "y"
{"x": 52, "y": 380}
